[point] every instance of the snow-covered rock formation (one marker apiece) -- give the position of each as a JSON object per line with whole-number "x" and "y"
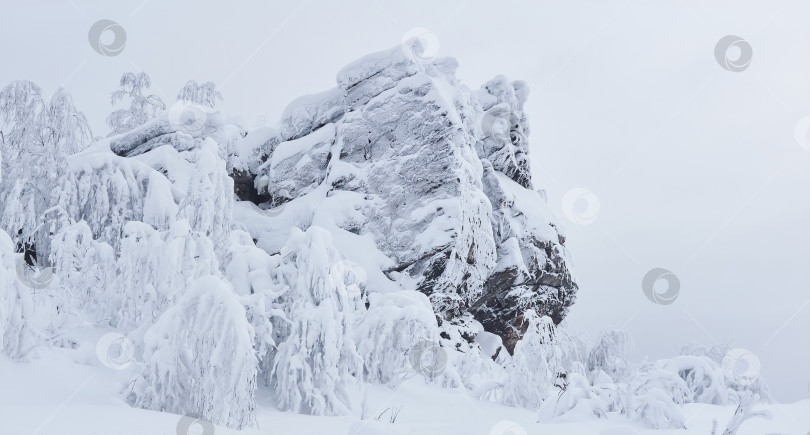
{"x": 385, "y": 229}
{"x": 410, "y": 168}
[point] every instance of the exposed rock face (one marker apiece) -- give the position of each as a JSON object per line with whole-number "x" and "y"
{"x": 440, "y": 181}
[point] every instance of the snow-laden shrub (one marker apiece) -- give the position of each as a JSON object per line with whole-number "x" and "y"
{"x": 317, "y": 361}
{"x": 16, "y": 305}
{"x": 703, "y": 377}
{"x": 611, "y": 354}
{"x": 154, "y": 269}
{"x": 208, "y": 203}
{"x": 86, "y": 269}
{"x": 393, "y": 324}
{"x": 738, "y": 386}
{"x": 652, "y": 397}
{"x": 574, "y": 350}
{"x": 535, "y": 364}
{"x": 579, "y": 401}
{"x": 249, "y": 271}
{"x": 656, "y": 409}
{"x": 108, "y": 191}
{"x": 656, "y": 394}
{"x": 199, "y": 358}
{"x": 655, "y": 376}
{"x": 483, "y": 371}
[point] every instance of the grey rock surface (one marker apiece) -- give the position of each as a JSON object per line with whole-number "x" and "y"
{"x": 443, "y": 173}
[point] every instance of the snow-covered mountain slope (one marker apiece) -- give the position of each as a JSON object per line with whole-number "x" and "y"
{"x": 384, "y": 238}
{"x": 55, "y": 397}
{"x": 407, "y": 166}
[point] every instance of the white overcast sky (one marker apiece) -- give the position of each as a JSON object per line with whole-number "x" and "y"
{"x": 696, "y": 168}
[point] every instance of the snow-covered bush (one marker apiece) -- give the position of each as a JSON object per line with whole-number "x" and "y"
{"x": 317, "y": 361}
{"x": 653, "y": 397}
{"x": 86, "y": 269}
{"x": 249, "y": 271}
{"x": 108, "y": 191}
{"x": 394, "y": 323}
{"x": 704, "y": 378}
{"x": 656, "y": 409}
{"x": 483, "y": 370}
{"x": 191, "y": 371}
{"x": 536, "y": 363}
{"x": 155, "y": 268}
{"x": 208, "y": 203}
{"x": 716, "y": 355}
{"x": 16, "y": 304}
{"x": 577, "y": 402}
{"x": 611, "y": 354}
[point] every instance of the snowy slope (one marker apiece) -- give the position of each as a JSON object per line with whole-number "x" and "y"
{"x": 388, "y": 259}
{"x": 59, "y": 397}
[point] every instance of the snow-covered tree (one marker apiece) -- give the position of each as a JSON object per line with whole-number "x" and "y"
{"x": 394, "y": 323}
{"x": 536, "y": 363}
{"x": 612, "y": 354}
{"x": 703, "y": 378}
{"x": 248, "y": 270}
{"x": 657, "y": 410}
{"x": 654, "y": 397}
{"x": 208, "y": 202}
{"x": 142, "y": 105}
{"x": 36, "y": 137}
{"x": 317, "y": 361}
{"x": 188, "y": 369}
{"x": 578, "y": 401}
{"x": 715, "y": 356}
{"x": 108, "y": 191}
{"x": 87, "y": 273}
{"x": 204, "y": 94}
{"x": 16, "y": 305}
{"x": 155, "y": 268}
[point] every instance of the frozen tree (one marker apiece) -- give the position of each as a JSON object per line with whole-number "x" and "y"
{"x": 611, "y": 354}
{"x": 86, "y": 270}
{"x": 657, "y": 410}
{"x": 142, "y": 105}
{"x": 36, "y": 137}
{"x": 715, "y": 355}
{"x": 317, "y": 361}
{"x": 16, "y": 305}
{"x": 653, "y": 397}
{"x": 248, "y": 270}
{"x": 209, "y": 198}
{"x": 108, "y": 191}
{"x": 190, "y": 370}
{"x": 578, "y": 401}
{"x": 154, "y": 268}
{"x": 535, "y": 363}
{"x": 394, "y": 323}
{"x": 703, "y": 377}
{"x": 65, "y": 129}
{"x": 204, "y": 94}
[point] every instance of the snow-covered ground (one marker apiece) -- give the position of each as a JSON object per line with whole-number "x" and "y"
{"x": 70, "y": 392}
